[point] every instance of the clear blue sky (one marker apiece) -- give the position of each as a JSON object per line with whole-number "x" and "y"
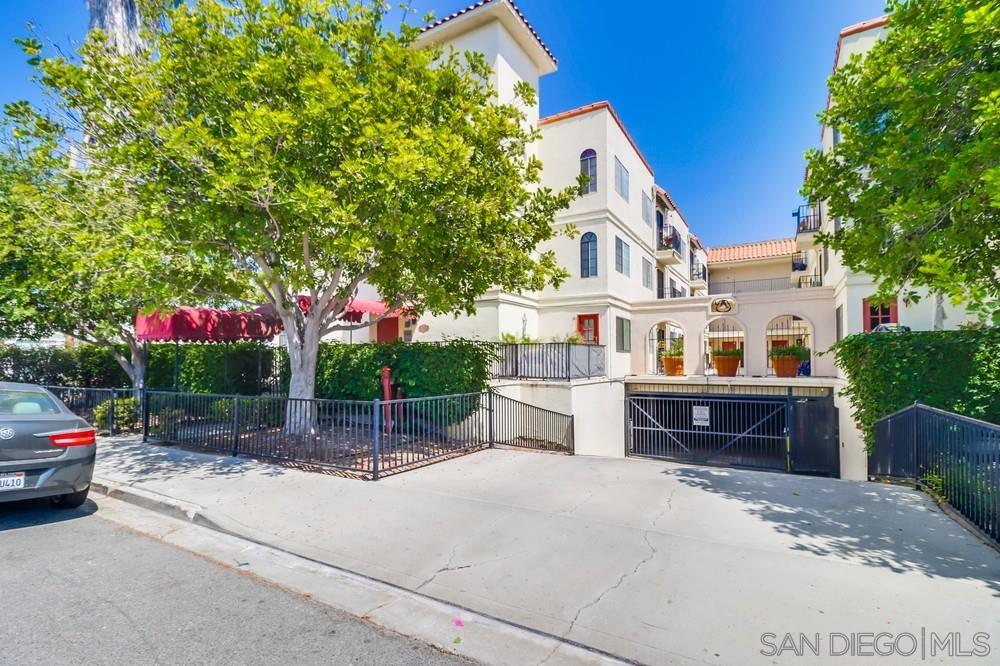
{"x": 721, "y": 96}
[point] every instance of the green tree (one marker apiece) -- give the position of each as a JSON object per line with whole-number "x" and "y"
{"x": 916, "y": 174}
{"x": 301, "y": 148}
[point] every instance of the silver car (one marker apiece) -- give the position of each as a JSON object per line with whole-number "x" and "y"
{"x": 45, "y": 449}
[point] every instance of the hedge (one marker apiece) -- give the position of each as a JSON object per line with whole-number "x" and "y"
{"x": 954, "y": 370}
{"x": 201, "y": 368}
{"x": 353, "y": 372}
{"x": 344, "y": 371}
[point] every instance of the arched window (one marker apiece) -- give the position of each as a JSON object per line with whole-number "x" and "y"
{"x": 588, "y": 167}
{"x": 588, "y": 255}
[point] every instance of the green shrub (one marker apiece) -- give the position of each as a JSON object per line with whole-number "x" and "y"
{"x": 38, "y": 365}
{"x": 127, "y": 416}
{"x": 798, "y": 351}
{"x": 727, "y": 352}
{"x": 353, "y": 372}
{"x": 676, "y": 348}
{"x": 954, "y": 370}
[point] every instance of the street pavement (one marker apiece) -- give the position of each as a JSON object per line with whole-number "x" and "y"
{"x": 651, "y": 561}
{"x": 78, "y": 589}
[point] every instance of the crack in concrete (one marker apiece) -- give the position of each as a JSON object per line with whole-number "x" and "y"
{"x": 667, "y": 509}
{"x": 621, "y": 579}
{"x": 590, "y": 496}
{"x": 446, "y": 567}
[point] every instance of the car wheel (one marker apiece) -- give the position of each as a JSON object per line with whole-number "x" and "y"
{"x": 70, "y": 501}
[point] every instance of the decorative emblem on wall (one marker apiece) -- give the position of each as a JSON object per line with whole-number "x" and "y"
{"x": 723, "y": 305}
{"x": 423, "y": 328}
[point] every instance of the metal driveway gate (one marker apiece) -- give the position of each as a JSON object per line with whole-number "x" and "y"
{"x": 780, "y": 433}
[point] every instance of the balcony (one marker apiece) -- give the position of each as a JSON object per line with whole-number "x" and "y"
{"x": 807, "y": 222}
{"x": 799, "y": 263}
{"x": 699, "y": 276}
{"x": 668, "y": 247}
{"x": 765, "y": 284}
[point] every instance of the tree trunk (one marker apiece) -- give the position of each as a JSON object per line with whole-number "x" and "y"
{"x": 303, "y": 350}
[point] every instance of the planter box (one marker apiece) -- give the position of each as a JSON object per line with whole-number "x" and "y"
{"x": 726, "y": 366}
{"x": 673, "y": 365}
{"x": 785, "y": 366}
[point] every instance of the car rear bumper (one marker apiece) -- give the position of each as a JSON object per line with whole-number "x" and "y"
{"x": 69, "y": 473}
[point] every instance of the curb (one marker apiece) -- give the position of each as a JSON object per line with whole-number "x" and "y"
{"x": 194, "y": 514}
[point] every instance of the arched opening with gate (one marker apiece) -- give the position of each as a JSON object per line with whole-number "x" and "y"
{"x": 724, "y": 344}
{"x": 788, "y": 340}
{"x": 665, "y": 349}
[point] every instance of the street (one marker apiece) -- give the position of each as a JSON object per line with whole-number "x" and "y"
{"x": 76, "y": 588}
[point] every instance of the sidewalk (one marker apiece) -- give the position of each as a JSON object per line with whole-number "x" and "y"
{"x": 653, "y": 562}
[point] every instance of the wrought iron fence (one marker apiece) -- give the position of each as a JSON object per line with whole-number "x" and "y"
{"x": 548, "y": 360}
{"x": 955, "y": 457}
{"x": 365, "y": 438}
{"x": 113, "y": 409}
{"x": 763, "y": 284}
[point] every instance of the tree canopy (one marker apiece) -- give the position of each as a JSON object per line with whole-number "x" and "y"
{"x": 916, "y": 173}
{"x": 300, "y": 148}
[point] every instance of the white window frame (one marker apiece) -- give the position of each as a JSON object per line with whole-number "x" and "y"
{"x": 647, "y": 209}
{"x": 647, "y": 273}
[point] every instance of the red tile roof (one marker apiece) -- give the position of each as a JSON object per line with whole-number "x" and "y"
{"x": 768, "y": 249}
{"x": 483, "y": 3}
{"x": 590, "y": 108}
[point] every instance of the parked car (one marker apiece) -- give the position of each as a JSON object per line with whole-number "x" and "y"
{"x": 45, "y": 449}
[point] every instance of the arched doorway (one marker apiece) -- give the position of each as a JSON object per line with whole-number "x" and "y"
{"x": 789, "y": 336}
{"x": 665, "y": 339}
{"x": 725, "y": 340}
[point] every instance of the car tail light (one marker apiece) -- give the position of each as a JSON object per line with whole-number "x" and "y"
{"x": 72, "y": 438}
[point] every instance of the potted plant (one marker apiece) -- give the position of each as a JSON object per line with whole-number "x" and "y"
{"x": 726, "y": 361}
{"x": 672, "y": 358}
{"x": 786, "y": 360}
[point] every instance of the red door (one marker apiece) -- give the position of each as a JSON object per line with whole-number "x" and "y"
{"x": 387, "y": 330}
{"x": 588, "y": 327}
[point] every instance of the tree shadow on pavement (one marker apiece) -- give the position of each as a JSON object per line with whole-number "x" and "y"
{"x": 875, "y": 524}
{"x": 129, "y": 457}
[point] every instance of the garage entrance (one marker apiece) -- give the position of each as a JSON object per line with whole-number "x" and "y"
{"x": 784, "y": 433}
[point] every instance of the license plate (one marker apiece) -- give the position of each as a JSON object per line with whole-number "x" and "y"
{"x": 11, "y": 481}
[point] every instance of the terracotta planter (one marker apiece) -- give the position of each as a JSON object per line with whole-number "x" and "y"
{"x": 785, "y": 366}
{"x": 726, "y": 366}
{"x": 673, "y": 365}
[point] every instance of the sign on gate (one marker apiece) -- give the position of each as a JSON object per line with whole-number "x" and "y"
{"x": 699, "y": 415}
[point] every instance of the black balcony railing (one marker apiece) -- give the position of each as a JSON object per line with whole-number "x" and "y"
{"x": 676, "y": 293}
{"x": 807, "y": 219}
{"x": 699, "y": 272}
{"x": 764, "y": 284}
{"x": 670, "y": 240}
{"x": 799, "y": 262}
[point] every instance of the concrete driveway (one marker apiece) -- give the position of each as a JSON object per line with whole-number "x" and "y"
{"x": 654, "y": 562}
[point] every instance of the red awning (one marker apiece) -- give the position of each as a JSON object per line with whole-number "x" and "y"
{"x": 187, "y": 324}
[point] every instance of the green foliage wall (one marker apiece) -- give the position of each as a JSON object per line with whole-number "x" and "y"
{"x": 201, "y": 368}
{"x": 353, "y": 372}
{"x": 954, "y": 370}
{"x": 344, "y": 371}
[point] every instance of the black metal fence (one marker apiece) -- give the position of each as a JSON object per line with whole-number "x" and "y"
{"x": 954, "y": 457}
{"x": 548, "y": 360}
{"x": 113, "y": 409}
{"x": 364, "y": 438}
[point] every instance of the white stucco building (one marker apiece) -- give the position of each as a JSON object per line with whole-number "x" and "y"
{"x": 641, "y": 281}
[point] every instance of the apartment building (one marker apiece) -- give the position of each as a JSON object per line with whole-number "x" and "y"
{"x": 633, "y": 245}
{"x": 854, "y": 312}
